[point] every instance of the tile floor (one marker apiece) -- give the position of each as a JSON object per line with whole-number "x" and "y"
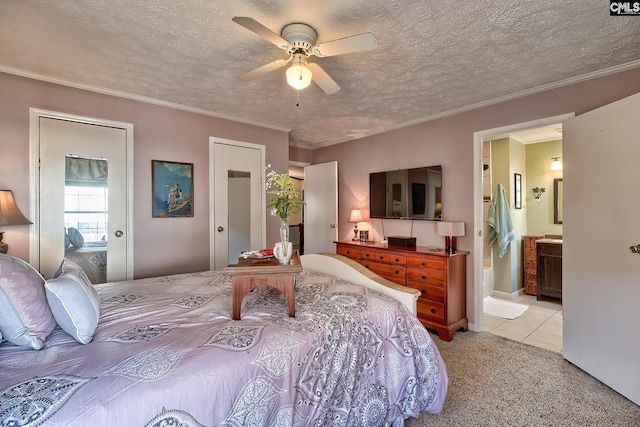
{"x": 540, "y": 325}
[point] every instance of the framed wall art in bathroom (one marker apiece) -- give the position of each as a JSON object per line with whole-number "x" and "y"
{"x": 517, "y": 185}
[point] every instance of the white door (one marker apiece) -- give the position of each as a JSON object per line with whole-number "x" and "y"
{"x": 601, "y": 275}
{"x": 60, "y": 139}
{"x": 321, "y": 208}
{"x": 238, "y": 200}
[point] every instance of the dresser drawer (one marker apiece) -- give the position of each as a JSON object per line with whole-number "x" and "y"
{"x": 530, "y": 254}
{"x": 397, "y": 259}
{"x": 434, "y": 263}
{"x": 417, "y": 277}
{"x": 435, "y": 293}
{"x": 392, "y": 272}
{"x": 349, "y": 252}
{"x": 368, "y": 255}
{"x": 430, "y": 309}
{"x": 530, "y": 266}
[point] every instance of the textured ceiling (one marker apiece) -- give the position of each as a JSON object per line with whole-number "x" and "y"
{"x": 434, "y": 56}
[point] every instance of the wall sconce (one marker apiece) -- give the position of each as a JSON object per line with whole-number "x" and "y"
{"x": 355, "y": 217}
{"x": 450, "y": 231}
{"x": 556, "y": 164}
{"x": 9, "y": 215}
{"x": 537, "y": 193}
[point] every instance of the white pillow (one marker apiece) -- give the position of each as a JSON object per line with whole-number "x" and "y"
{"x": 25, "y": 317}
{"x": 74, "y": 302}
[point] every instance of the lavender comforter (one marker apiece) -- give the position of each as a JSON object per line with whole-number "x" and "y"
{"x": 166, "y": 353}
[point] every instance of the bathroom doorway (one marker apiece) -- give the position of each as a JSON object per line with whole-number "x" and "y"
{"x": 483, "y": 191}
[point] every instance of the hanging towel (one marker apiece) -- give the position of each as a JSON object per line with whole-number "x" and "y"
{"x": 499, "y": 221}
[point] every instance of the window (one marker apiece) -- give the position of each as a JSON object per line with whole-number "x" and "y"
{"x": 85, "y": 208}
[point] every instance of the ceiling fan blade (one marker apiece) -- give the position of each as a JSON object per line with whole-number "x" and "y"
{"x": 260, "y": 71}
{"x": 253, "y": 25}
{"x": 358, "y": 43}
{"x": 322, "y": 79}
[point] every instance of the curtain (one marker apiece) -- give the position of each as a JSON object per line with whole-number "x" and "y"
{"x": 85, "y": 172}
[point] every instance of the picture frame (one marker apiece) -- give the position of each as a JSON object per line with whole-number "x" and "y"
{"x": 517, "y": 185}
{"x": 171, "y": 189}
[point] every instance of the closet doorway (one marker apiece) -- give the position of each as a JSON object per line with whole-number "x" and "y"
{"x": 237, "y": 200}
{"x": 81, "y": 170}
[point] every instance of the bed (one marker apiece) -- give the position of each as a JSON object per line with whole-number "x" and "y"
{"x": 92, "y": 257}
{"x": 166, "y": 353}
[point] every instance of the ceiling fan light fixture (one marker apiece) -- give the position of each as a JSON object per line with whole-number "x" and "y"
{"x": 299, "y": 76}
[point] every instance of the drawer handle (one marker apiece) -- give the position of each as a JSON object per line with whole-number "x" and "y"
{"x": 422, "y": 291}
{"x": 381, "y": 257}
{"x": 367, "y": 255}
{"x": 423, "y": 263}
{"x": 433, "y": 310}
{"x": 348, "y": 252}
{"x": 423, "y": 277}
{"x": 397, "y": 260}
{"x": 366, "y": 266}
{"x": 397, "y": 272}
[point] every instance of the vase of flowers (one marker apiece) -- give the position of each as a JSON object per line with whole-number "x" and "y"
{"x": 285, "y": 202}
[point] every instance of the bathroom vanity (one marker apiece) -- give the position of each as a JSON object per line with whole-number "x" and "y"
{"x": 549, "y": 265}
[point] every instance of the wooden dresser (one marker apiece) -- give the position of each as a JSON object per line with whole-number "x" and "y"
{"x": 530, "y": 261}
{"x": 440, "y": 277}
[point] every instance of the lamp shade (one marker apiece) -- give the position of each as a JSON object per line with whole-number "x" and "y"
{"x": 299, "y": 76}
{"x": 448, "y": 229}
{"x": 556, "y": 164}
{"x": 355, "y": 216}
{"x": 9, "y": 212}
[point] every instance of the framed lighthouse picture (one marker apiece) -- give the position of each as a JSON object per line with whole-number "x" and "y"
{"x": 172, "y": 189}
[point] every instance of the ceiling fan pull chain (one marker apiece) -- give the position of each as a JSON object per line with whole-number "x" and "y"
{"x": 297, "y": 97}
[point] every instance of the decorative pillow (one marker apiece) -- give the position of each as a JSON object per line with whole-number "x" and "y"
{"x": 75, "y": 237}
{"x": 75, "y": 304}
{"x": 25, "y": 317}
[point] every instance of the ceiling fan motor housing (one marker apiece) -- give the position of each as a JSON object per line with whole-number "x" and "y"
{"x": 300, "y": 36}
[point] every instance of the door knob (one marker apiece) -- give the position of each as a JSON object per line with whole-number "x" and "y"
{"x": 635, "y": 249}
{"x": 333, "y": 225}
{"x": 119, "y": 233}
{"x": 220, "y": 229}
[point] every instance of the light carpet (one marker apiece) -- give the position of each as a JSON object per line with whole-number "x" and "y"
{"x": 501, "y": 308}
{"x": 496, "y": 382}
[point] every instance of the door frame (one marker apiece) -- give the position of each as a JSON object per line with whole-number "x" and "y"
{"x": 212, "y": 197}
{"x": 477, "y": 323}
{"x": 34, "y": 176}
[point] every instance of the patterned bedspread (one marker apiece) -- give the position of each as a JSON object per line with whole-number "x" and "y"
{"x": 166, "y": 353}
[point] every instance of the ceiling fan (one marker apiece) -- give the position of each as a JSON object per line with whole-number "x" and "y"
{"x": 299, "y": 41}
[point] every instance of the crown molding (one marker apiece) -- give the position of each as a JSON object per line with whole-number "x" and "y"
{"x": 140, "y": 98}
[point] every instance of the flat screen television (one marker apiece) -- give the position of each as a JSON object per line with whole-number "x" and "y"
{"x": 406, "y": 194}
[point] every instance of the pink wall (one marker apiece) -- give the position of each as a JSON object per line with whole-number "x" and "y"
{"x": 449, "y": 141}
{"x": 161, "y": 245}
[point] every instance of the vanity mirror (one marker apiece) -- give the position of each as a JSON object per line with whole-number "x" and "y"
{"x": 557, "y": 200}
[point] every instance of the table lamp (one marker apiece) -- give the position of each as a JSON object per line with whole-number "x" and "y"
{"x": 355, "y": 217}
{"x": 450, "y": 231}
{"x": 9, "y": 215}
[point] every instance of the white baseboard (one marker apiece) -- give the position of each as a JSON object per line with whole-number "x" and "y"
{"x": 507, "y": 295}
